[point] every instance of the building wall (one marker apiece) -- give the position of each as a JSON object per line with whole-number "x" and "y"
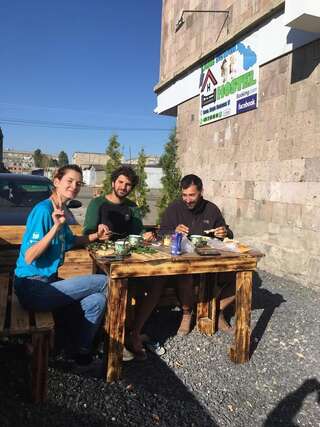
{"x": 203, "y": 32}
{"x": 263, "y": 167}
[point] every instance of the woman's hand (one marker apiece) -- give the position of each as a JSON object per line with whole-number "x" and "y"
{"x": 58, "y": 215}
{"x": 149, "y": 236}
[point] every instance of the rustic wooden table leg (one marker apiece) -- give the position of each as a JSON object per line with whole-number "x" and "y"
{"x": 115, "y": 327}
{"x": 239, "y": 353}
{"x": 202, "y": 306}
{"x": 94, "y": 267}
{"x": 39, "y": 366}
{"x": 206, "y": 307}
{"x": 131, "y": 306}
{"x": 213, "y": 291}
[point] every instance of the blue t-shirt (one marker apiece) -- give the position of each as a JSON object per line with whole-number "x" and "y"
{"x": 38, "y": 225}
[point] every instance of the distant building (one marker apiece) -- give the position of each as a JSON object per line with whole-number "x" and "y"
{"x": 150, "y": 160}
{"x": 90, "y": 176}
{"x": 153, "y": 170}
{"x": 87, "y": 159}
{"x": 18, "y": 161}
{"x": 93, "y": 165}
{"x": 21, "y": 161}
{"x": 154, "y": 175}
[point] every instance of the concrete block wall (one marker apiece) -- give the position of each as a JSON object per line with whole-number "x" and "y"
{"x": 262, "y": 168}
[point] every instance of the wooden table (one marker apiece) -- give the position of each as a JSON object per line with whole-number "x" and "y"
{"x": 163, "y": 264}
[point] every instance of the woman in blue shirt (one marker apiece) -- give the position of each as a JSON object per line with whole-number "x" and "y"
{"x": 44, "y": 243}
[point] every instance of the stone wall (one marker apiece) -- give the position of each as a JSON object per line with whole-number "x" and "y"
{"x": 263, "y": 167}
{"x": 204, "y": 32}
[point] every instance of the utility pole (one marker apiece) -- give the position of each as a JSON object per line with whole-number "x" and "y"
{"x": 2, "y": 168}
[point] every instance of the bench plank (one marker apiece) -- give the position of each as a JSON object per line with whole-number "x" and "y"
{"x": 19, "y": 317}
{"x": 39, "y": 326}
{"x": 44, "y": 321}
{"x": 4, "y": 286}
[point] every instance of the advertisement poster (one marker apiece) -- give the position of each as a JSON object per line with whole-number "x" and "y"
{"x": 229, "y": 84}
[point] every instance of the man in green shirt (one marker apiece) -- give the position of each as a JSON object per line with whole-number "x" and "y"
{"x": 120, "y": 213}
{"x": 123, "y": 217}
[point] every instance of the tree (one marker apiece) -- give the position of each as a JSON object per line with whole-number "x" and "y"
{"x": 63, "y": 159}
{"x": 113, "y": 162}
{"x": 44, "y": 161}
{"x": 53, "y": 163}
{"x": 171, "y": 174}
{"x": 141, "y": 190}
{"x": 37, "y": 157}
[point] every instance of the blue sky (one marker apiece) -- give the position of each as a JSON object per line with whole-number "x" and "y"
{"x": 80, "y": 64}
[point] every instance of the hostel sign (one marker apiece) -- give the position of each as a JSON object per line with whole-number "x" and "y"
{"x": 229, "y": 84}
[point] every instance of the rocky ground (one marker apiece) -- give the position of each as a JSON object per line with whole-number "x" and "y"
{"x": 194, "y": 383}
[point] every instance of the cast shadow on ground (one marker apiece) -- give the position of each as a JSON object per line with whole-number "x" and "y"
{"x": 266, "y": 300}
{"x": 288, "y": 408}
{"x": 149, "y": 394}
{"x": 165, "y": 321}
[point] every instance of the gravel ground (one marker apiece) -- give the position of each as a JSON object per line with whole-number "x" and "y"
{"x": 194, "y": 383}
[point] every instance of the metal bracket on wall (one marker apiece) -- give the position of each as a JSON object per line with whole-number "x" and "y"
{"x": 181, "y": 21}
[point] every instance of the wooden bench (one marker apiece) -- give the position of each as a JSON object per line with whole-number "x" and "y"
{"x": 14, "y": 320}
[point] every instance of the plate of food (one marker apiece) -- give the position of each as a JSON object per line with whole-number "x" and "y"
{"x": 106, "y": 251}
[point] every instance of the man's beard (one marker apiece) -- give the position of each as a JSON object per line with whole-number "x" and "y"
{"x": 121, "y": 196}
{"x": 191, "y": 206}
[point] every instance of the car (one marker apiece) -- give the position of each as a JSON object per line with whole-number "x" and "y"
{"x": 19, "y": 193}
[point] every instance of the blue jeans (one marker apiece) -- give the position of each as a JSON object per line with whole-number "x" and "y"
{"x": 49, "y": 294}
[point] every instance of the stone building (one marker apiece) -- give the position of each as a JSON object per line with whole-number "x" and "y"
{"x": 18, "y": 161}
{"x": 243, "y": 79}
{"x": 87, "y": 159}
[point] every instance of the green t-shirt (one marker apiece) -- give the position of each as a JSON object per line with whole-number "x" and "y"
{"x": 93, "y": 215}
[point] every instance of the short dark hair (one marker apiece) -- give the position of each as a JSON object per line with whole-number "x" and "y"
{"x": 128, "y": 172}
{"x": 189, "y": 180}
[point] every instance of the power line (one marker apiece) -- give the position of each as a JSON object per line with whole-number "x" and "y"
{"x": 75, "y": 126}
{"x": 12, "y": 106}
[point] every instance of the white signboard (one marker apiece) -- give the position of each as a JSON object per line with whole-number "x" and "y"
{"x": 229, "y": 84}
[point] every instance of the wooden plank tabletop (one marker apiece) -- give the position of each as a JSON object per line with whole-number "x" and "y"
{"x": 163, "y": 253}
{"x": 161, "y": 263}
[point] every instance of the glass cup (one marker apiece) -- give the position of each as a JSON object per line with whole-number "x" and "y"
{"x": 166, "y": 241}
{"x": 135, "y": 240}
{"x": 121, "y": 247}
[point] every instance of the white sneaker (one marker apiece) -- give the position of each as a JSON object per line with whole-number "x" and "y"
{"x": 155, "y": 347}
{"x": 127, "y": 355}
